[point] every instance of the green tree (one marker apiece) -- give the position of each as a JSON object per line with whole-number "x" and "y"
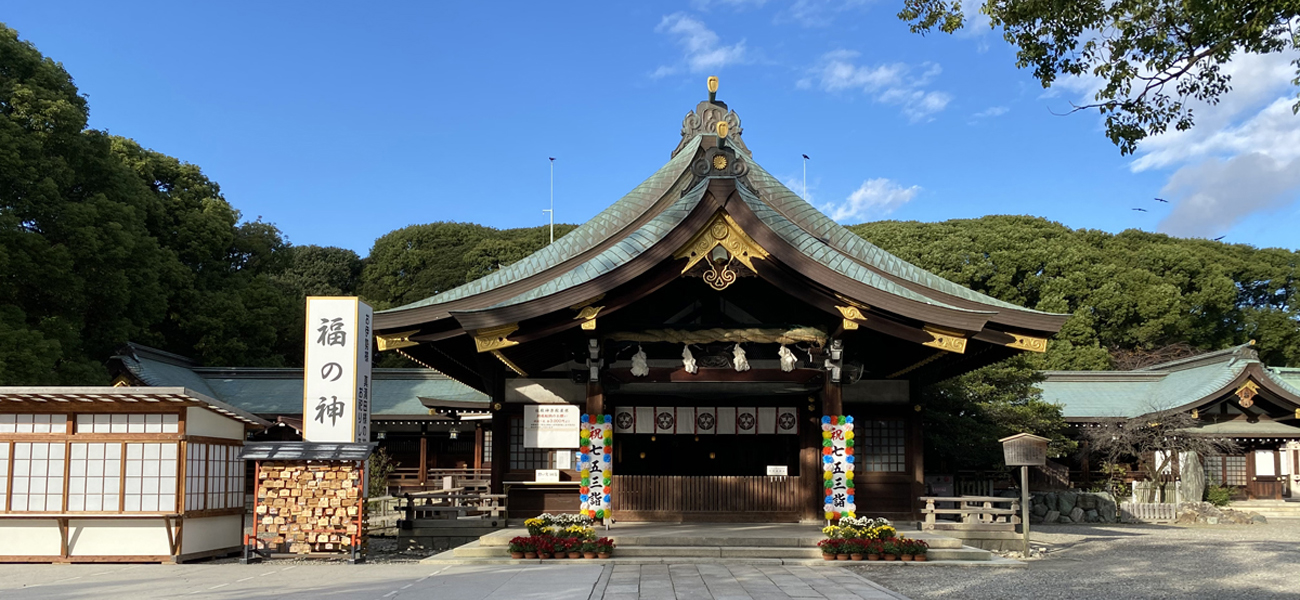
{"x": 416, "y": 262}
{"x": 1154, "y": 58}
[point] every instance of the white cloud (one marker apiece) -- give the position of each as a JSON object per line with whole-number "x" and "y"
{"x": 890, "y": 83}
{"x": 1215, "y": 194}
{"x": 874, "y": 199}
{"x": 702, "y": 49}
{"x": 990, "y": 112}
{"x": 817, "y": 13}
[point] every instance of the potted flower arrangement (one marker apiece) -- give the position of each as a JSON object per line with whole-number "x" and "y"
{"x": 889, "y": 548}
{"x": 520, "y": 545}
{"x": 604, "y": 547}
{"x": 574, "y": 546}
{"x": 545, "y": 546}
{"x": 919, "y": 549}
{"x": 829, "y": 547}
{"x": 857, "y": 548}
{"x": 905, "y": 546}
{"x": 538, "y": 526}
{"x": 589, "y": 549}
{"x": 874, "y": 549}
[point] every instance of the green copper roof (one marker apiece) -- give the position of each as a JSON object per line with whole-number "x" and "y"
{"x": 816, "y": 225}
{"x": 395, "y": 392}
{"x": 624, "y": 250}
{"x": 823, "y": 253}
{"x": 618, "y": 216}
{"x": 1102, "y": 394}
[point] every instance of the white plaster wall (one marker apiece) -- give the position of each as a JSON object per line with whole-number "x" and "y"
{"x": 201, "y": 421}
{"x": 117, "y": 537}
{"x": 35, "y": 537}
{"x": 212, "y": 533}
{"x": 545, "y": 391}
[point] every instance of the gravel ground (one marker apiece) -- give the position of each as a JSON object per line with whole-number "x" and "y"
{"x": 1126, "y": 561}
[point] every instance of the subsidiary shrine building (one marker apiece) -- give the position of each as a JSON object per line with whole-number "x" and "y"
{"x": 711, "y": 322}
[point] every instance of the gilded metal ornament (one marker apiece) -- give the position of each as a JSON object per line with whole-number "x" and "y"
{"x": 393, "y": 341}
{"x": 720, "y": 232}
{"x": 1246, "y": 394}
{"x": 852, "y": 315}
{"x": 494, "y": 338}
{"x": 1028, "y": 342}
{"x": 720, "y": 162}
{"x": 588, "y": 317}
{"x": 945, "y": 339}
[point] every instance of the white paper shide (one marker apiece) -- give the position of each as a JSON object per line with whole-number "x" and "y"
{"x": 336, "y": 376}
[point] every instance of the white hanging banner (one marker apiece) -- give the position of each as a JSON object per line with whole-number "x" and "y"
{"x": 726, "y": 420}
{"x": 336, "y": 373}
{"x": 665, "y": 420}
{"x": 706, "y": 420}
{"x": 767, "y": 420}
{"x": 686, "y": 419}
{"x": 624, "y": 420}
{"x": 837, "y": 460}
{"x": 645, "y": 419}
{"x": 787, "y": 420}
{"x": 746, "y": 420}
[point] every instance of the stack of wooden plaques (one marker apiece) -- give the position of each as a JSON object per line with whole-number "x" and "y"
{"x": 309, "y": 507}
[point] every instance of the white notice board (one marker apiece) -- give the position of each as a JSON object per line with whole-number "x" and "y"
{"x": 551, "y": 426}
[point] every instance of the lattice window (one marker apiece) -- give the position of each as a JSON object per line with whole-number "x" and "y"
{"x": 130, "y": 423}
{"x": 487, "y": 445}
{"x": 38, "y": 477}
{"x": 150, "y": 477}
{"x": 234, "y": 479}
{"x": 4, "y": 475}
{"x": 94, "y": 477}
{"x": 1225, "y": 470}
{"x": 527, "y": 459}
{"x": 33, "y": 423}
{"x": 196, "y": 474}
{"x": 880, "y": 446}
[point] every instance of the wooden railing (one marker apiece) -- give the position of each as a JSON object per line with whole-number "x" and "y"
{"x": 738, "y": 498}
{"x": 972, "y": 512}
{"x": 408, "y": 478}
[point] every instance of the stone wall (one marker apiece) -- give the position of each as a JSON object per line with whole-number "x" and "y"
{"x": 304, "y": 508}
{"x": 1072, "y": 507}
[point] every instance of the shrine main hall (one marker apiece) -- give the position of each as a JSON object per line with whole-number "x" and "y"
{"x": 711, "y": 320}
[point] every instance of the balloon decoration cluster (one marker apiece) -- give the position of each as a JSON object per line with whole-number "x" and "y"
{"x": 596, "y": 465}
{"x": 837, "y": 466}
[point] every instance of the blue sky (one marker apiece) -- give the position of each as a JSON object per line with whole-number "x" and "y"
{"x": 340, "y": 122}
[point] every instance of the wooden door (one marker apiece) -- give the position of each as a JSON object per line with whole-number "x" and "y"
{"x": 1265, "y": 475}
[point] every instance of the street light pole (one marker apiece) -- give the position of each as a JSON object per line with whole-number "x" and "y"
{"x": 551, "y": 211}
{"x": 805, "y": 176}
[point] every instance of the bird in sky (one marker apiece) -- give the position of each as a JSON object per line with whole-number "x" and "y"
{"x": 1140, "y": 209}
{"x": 1162, "y": 200}
{"x": 1219, "y": 238}
{"x": 806, "y": 157}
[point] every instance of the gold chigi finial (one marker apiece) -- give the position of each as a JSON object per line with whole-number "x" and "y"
{"x": 713, "y": 88}
{"x": 722, "y": 129}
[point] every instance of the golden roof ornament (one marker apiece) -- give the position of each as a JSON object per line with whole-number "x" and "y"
{"x": 713, "y": 88}
{"x": 722, "y": 129}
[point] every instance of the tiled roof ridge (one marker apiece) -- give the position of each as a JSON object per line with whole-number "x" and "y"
{"x": 1244, "y": 352}
{"x": 136, "y": 350}
{"x": 816, "y": 223}
{"x": 607, "y": 223}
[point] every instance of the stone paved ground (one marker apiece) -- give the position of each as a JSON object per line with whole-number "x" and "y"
{"x": 738, "y": 582}
{"x": 226, "y": 581}
{"x": 1142, "y": 562}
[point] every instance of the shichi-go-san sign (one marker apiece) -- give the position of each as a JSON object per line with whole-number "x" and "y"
{"x": 596, "y": 466}
{"x": 336, "y": 375}
{"x": 837, "y": 465}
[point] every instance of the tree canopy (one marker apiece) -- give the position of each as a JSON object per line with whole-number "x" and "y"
{"x": 1154, "y": 59}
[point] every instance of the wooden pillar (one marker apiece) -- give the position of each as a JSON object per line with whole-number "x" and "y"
{"x": 478, "y": 448}
{"x": 832, "y": 398}
{"x": 915, "y": 448}
{"x": 595, "y": 398}
{"x": 810, "y": 464}
{"x": 500, "y": 448}
{"x": 423, "y": 477}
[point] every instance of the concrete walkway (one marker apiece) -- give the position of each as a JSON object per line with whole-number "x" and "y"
{"x": 279, "y": 580}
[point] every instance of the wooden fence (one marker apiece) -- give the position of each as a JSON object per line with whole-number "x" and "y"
{"x": 717, "y": 498}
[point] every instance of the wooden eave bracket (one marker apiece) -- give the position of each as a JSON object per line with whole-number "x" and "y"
{"x": 393, "y": 341}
